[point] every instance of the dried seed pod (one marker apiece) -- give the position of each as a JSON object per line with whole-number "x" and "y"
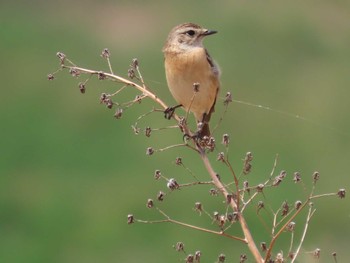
{"x": 157, "y": 174}
{"x": 246, "y": 186}
{"x": 82, "y": 87}
{"x": 149, "y": 203}
{"x": 61, "y": 57}
{"x": 317, "y": 253}
{"x": 101, "y": 75}
{"x": 213, "y": 192}
{"x": 179, "y": 246}
{"x": 225, "y": 139}
{"x": 134, "y": 63}
{"x": 172, "y": 184}
{"x": 190, "y": 258}
{"x": 228, "y": 98}
{"x": 197, "y": 255}
{"x": 178, "y": 161}
{"x": 285, "y": 208}
{"x": 279, "y": 258}
{"x": 160, "y": 196}
{"x": 105, "y": 53}
{"x": 149, "y": 151}
{"x": 316, "y": 176}
{"x": 216, "y": 216}
{"x": 243, "y": 258}
{"x": 341, "y": 193}
{"x": 131, "y": 73}
{"x": 297, "y": 177}
{"x": 221, "y": 258}
{"x": 118, "y": 113}
{"x": 130, "y": 219}
{"x": 198, "y": 207}
{"x": 260, "y": 206}
{"x": 50, "y": 76}
{"x": 74, "y": 72}
{"x": 290, "y": 227}
{"x": 260, "y": 187}
{"x": 263, "y": 246}
{"x": 148, "y": 131}
{"x": 297, "y": 204}
{"x": 221, "y": 157}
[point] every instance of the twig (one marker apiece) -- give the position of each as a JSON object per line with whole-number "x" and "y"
{"x": 309, "y": 216}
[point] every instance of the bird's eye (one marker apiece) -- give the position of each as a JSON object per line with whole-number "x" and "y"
{"x": 190, "y": 33}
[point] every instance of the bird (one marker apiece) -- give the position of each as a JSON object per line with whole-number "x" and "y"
{"x": 192, "y": 75}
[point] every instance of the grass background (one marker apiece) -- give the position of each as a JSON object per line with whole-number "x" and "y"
{"x": 70, "y": 173}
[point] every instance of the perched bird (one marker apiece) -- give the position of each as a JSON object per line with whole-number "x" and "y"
{"x": 192, "y": 75}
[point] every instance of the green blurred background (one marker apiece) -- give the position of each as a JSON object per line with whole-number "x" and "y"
{"x": 70, "y": 173}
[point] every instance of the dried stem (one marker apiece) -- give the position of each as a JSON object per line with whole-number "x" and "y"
{"x": 248, "y": 236}
{"x": 309, "y": 215}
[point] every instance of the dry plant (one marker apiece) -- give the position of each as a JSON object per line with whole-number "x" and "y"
{"x": 237, "y": 193}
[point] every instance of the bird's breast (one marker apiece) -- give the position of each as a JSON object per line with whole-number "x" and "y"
{"x": 186, "y": 68}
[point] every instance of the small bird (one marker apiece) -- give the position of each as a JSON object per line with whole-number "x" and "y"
{"x": 188, "y": 66}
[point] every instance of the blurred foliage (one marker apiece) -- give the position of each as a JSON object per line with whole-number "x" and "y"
{"x": 70, "y": 173}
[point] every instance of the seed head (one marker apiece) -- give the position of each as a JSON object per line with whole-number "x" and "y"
{"x": 290, "y": 227}
{"x": 82, "y": 87}
{"x": 243, "y": 258}
{"x": 74, "y": 72}
{"x": 118, "y": 113}
{"x": 149, "y": 203}
{"x": 61, "y": 57}
{"x": 341, "y": 193}
{"x": 101, "y": 75}
{"x": 260, "y": 206}
{"x": 105, "y": 53}
{"x": 297, "y": 177}
{"x": 297, "y": 204}
{"x": 160, "y": 196}
{"x": 148, "y": 131}
{"x": 178, "y": 161}
{"x": 228, "y": 98}
{"x": 225, "y": 139}
{"x": 190, "y": 258}
{"x": 198, "y": 207}
{"x": 221, "y": 258}
{"x": 221, "y": 157}
{"x": 131, "y": 73}
{"x": 179, "y": 246}
{"x": 50, "y": 77}
{"x": 316, "y": 176}
{"x": 260, "y": 187}
{"x": 317, "y": 253}
{"x": 285, "y": 208}
{"x": 172, "y": 184}
{"x": 130, "y": 219}
{"x": 134, "y": 63}
{"x": 213, "y": 192}
{"x": 263, "y": 246}
{"x": 233, "y": 217}
{"x": 157, "y": 174}
{"x": 149, "y": 151}
{"x": 197, "y": 255}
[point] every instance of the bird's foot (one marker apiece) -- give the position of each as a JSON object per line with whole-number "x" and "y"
{"x": 169, "y": 112}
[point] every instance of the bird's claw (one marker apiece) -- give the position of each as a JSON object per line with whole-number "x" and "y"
{"x": 169, "y": 112}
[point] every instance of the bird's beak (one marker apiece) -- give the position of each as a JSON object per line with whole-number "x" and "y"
{"x": 209, "y": 32}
